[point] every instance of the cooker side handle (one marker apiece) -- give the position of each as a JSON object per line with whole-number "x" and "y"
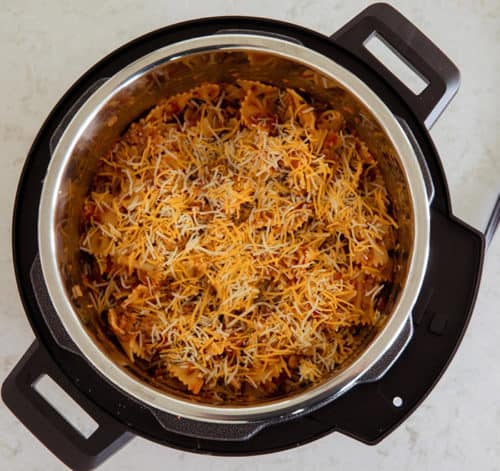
{"x": 48, "y": 425}
{"x": 411, "y": 46}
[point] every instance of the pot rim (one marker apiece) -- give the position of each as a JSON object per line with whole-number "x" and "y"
{"x": 296, "y": 404}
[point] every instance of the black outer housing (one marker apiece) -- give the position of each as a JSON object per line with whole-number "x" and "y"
{"x": 365, "y": 412}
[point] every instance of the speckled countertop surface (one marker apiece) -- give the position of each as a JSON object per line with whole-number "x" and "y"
{"x": 46, "y": 45}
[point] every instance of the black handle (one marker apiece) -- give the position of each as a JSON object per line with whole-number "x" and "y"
{"x": 414, "y": 48}
{"x": 50, "y": 427}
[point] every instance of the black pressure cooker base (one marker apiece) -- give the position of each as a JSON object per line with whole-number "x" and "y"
{"x": 367, "y": 412}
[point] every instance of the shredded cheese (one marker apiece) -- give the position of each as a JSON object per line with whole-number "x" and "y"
{"x": 238, "y": 240}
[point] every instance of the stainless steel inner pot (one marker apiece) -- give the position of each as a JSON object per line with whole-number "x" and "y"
{"x": 179, "y": 67}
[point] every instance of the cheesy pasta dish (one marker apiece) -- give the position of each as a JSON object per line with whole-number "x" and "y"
{"x": 238, "y": 240}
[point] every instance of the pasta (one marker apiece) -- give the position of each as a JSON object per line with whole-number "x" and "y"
{"x": 237, "y": 241}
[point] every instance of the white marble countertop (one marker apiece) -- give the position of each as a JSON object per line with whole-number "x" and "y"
{"x": 46, "y": 46}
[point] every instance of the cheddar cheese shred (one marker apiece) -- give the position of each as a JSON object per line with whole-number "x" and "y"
{"x": 237, "y": 241}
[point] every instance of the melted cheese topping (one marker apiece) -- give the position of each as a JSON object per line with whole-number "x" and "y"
{"x": 238, "y": 239}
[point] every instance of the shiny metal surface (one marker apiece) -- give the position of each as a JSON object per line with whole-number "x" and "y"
{"x": 226, "y": 57}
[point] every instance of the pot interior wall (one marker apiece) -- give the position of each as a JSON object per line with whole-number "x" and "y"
{"x": 172, "y": 76}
